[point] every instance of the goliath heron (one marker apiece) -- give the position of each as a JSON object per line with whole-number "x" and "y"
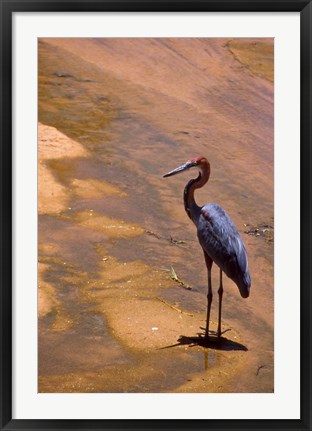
{"x": 218, "y": 236}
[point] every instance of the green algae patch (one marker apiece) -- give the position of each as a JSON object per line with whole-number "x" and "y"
{"x": 256, "y": 55}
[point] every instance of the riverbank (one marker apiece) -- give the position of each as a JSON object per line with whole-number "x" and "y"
{"x": 115, "y": 115}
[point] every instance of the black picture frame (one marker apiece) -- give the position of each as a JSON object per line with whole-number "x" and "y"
{"x": 7, "y": 10}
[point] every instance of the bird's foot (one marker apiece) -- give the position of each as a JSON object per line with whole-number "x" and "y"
{"x": 203, "y": 338}
{"x": 210, "y": 332}
{"x": 218, "y": 333}
{"x": 223, "y": 332}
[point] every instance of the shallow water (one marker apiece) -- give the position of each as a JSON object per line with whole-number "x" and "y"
{"x": 110, "y": 250}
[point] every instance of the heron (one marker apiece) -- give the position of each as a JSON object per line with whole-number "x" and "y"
{"x": 217, "y": 235}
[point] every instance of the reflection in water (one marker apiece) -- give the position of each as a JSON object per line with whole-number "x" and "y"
{"x": 206, "y": 359}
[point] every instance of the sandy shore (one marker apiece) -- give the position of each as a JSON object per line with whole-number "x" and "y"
{"x": 114, "y": 116}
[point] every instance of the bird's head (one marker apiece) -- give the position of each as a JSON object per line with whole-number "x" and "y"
{"x": 200, "y": 162}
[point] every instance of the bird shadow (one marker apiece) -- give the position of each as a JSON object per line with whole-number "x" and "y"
{"x": 212, "y": 342}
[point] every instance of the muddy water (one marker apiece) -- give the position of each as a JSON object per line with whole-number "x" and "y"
{"x": 111, "y": 316}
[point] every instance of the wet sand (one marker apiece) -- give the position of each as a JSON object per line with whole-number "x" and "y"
{"x": 114, "y": 116}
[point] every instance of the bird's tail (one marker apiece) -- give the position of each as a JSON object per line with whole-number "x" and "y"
{"x": 244, "y": 284}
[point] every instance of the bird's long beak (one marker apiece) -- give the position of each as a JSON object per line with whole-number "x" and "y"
{"x": 181, "y": 168}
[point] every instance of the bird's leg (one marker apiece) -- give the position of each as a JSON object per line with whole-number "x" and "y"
{"x": 209, "y": 295}
{"x": 220, "y": 292}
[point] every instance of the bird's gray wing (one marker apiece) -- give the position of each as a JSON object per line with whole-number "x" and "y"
{"x": 220, "y": 239}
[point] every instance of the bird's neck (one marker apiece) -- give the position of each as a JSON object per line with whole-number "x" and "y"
{"x": 191, "y": 207}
